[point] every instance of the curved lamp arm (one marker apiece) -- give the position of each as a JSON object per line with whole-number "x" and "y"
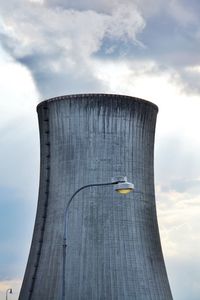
{"x": 65, "y": 228}
{"x": 121, "y": 185}
{"x": 70, "y": 201}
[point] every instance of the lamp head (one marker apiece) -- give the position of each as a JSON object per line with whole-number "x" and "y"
{"x": 122, "y": 186}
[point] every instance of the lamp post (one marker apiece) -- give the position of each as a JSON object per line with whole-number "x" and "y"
{"x": 121, "y": 185}
{"x": 8, "y": 291}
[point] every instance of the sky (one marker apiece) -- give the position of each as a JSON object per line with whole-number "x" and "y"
{"x": 143, "y": 48}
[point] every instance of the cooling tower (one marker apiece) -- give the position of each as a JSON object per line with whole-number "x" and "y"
{"x": 113, "y": 245}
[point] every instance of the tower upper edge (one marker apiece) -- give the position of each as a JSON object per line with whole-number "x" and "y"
{"x": 101, "y": 96}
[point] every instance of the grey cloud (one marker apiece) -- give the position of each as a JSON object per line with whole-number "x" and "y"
{"x": 172, "y": 40}
{"x": 96, "y": 5}
{"x": 191, "y": 79}
{"x": 66, "y": 80}
{"x": 58, "y": 45}
{"x": 183, "y": 185}
{"x": 147, "y": 7}
{"x": 64, "y": 37}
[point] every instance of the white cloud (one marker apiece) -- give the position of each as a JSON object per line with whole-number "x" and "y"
{"x": 69, "y": 32}
{"x": 63, "y": 48}
{"x": 178, "y": 216}
{"x": 18, "y": 126}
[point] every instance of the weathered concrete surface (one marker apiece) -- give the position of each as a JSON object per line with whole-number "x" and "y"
{"x": 114, "y": 250}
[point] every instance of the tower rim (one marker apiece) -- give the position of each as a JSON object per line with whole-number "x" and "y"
{"x": 102, "y": 96}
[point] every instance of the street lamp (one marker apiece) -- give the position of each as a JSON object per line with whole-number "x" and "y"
{"x": 8, "y": 291}
{"x": 121, "y": 185}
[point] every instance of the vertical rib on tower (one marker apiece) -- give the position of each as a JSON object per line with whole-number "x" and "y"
{"x": 114, "y": 250}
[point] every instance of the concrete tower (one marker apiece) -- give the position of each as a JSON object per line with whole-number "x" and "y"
{"x": 114, "y": 250}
